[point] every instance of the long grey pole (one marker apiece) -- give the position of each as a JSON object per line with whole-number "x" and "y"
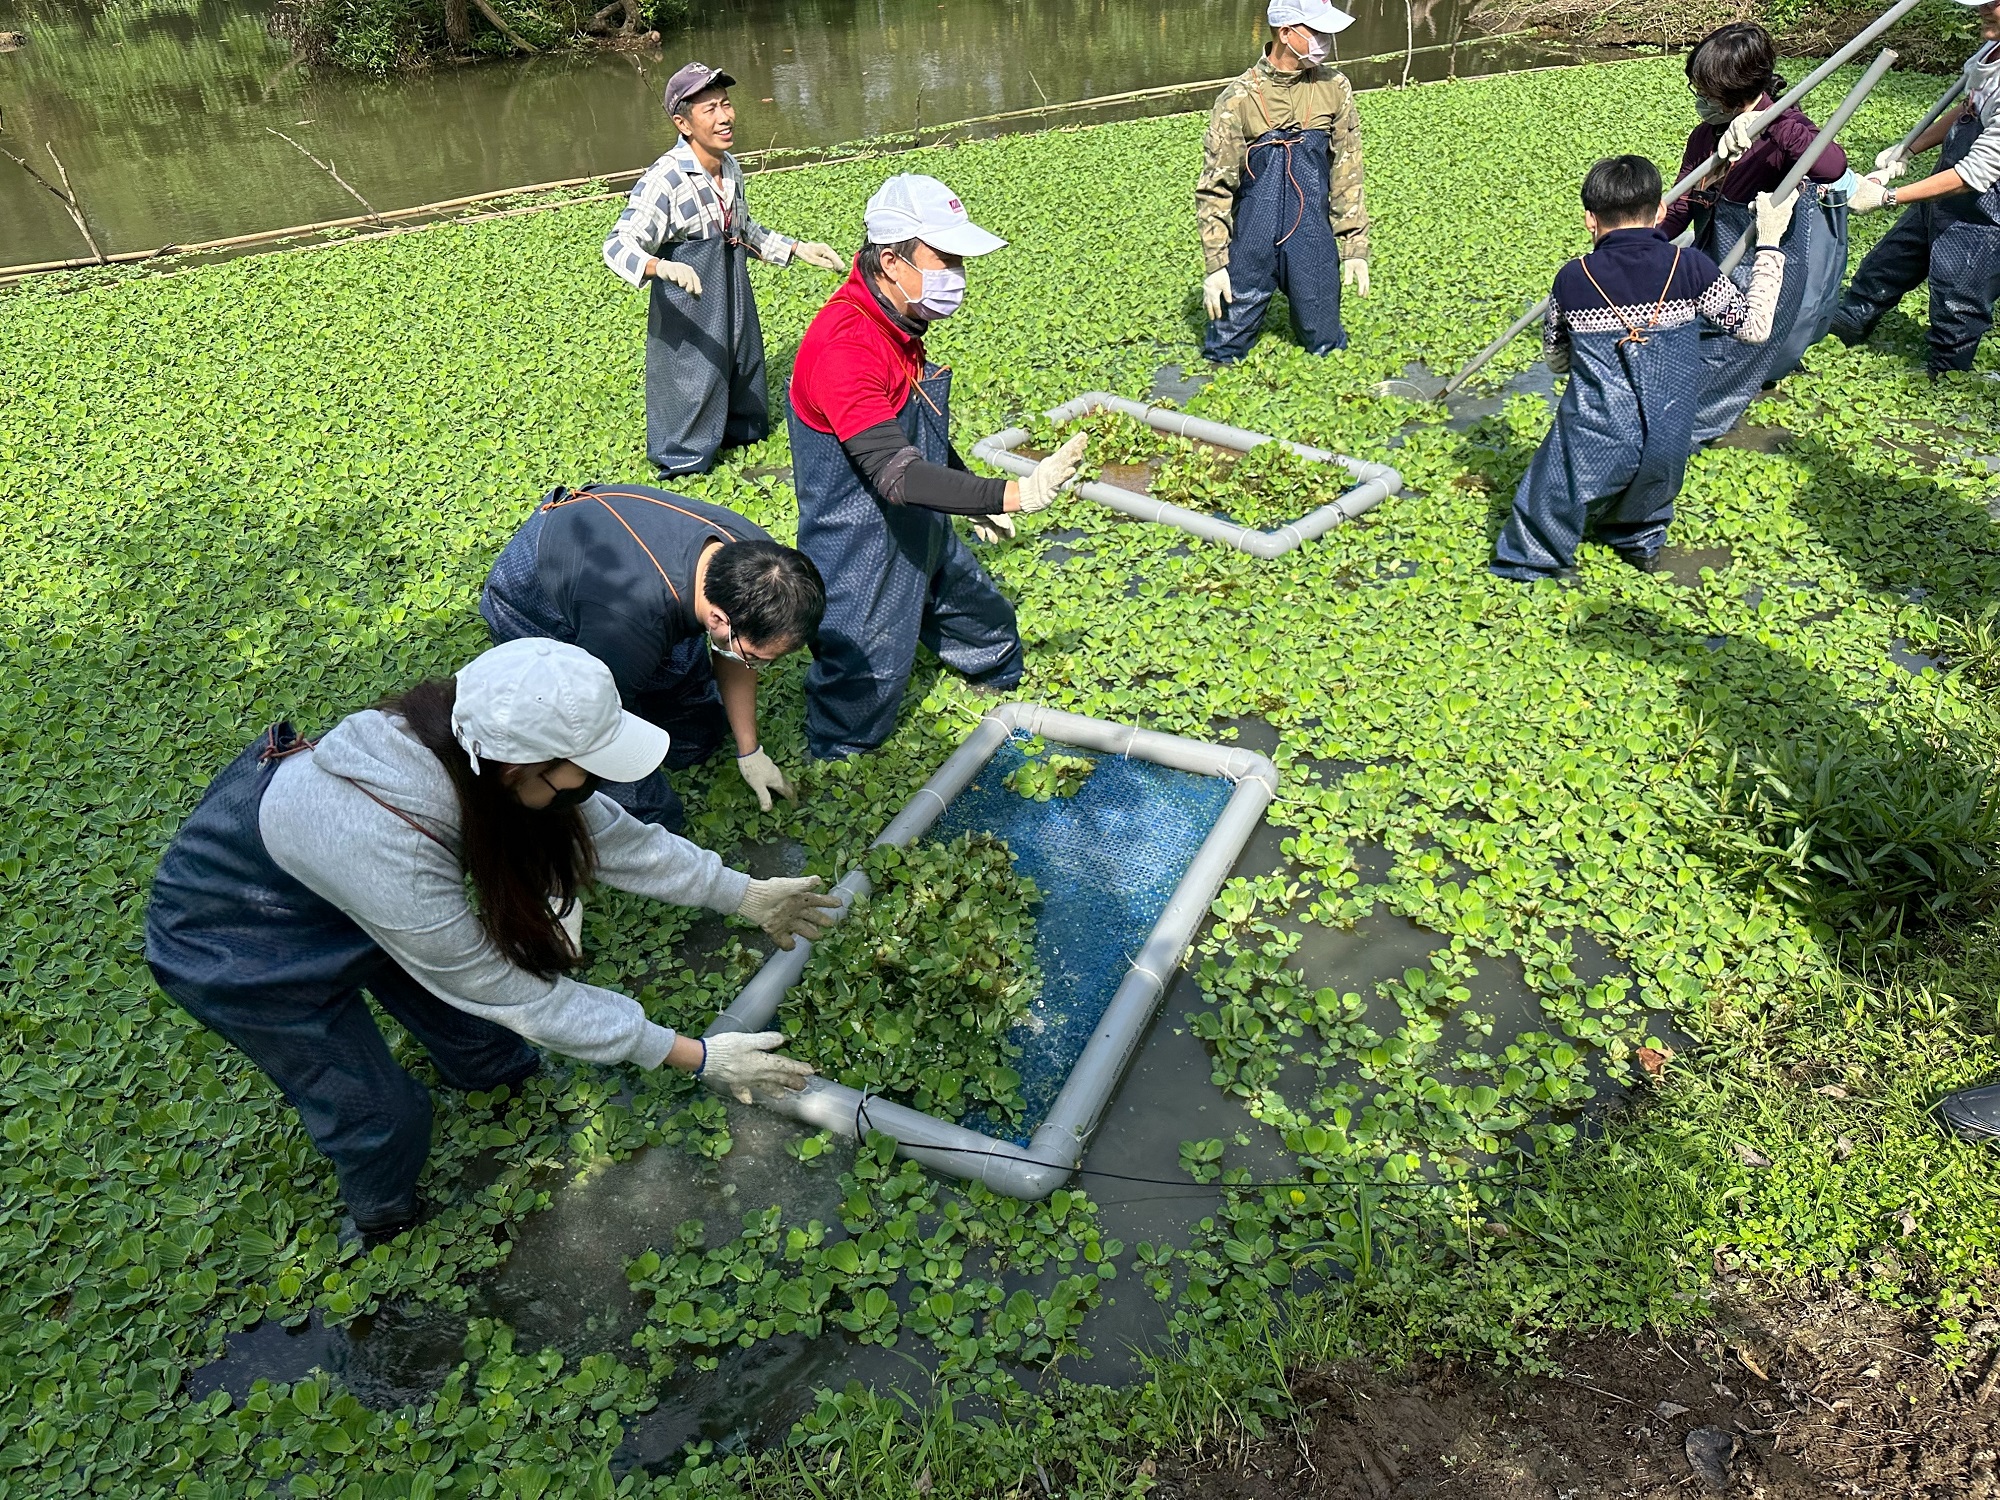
{"x": 1810, "y": 159}
{"x": 1945, "y": 102}
{"x": 1688, "y": 183}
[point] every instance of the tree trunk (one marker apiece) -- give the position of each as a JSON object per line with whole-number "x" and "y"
{"x": 631, "y": 18}
{"x": 457, "y": 25}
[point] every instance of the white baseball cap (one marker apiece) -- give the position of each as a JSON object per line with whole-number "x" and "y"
{"x": 910, "y": 207}
{"x": 533, "y": 700}
{"x": 1316, "y": 14}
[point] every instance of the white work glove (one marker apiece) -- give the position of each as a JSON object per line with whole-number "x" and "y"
{"x": 788, "y": 908}
{"x": 1773, "y": 219}
{"x": 1216, "y": 292}
{"x": 745, "y": 1064}
{"x": 1052, "y": 475}
{"x": 764, "y": 777}
{"x": 1889, "y": 164}
{"x": 1736, "y": 139}
{"x": 993, "y": 528}
{"x": 1869, "y": 194}
{"x": 1354, "y": 273}
{"x": 680, "y": 275}
{"x": 813, "y": 253}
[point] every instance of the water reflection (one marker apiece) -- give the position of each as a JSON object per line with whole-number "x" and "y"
{"x": 162, "y": 109}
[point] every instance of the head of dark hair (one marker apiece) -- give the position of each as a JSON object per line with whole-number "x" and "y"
{"x": 1622, "y": 190}
{"x": 518, "y": 857}
{"x": 870, "y": 256}
{"x": 1735, "y": 64}
{"x": 773, "y": 595}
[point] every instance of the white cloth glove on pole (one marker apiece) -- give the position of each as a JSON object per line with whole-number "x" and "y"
{"x": 1051, "y": 476}
{"x": 747, "y": 1064}
{"x": 814, "y": 253}
{"x": 1869, "y": 194}
{"x": 1736, "y": 139}
{"x": 993, "y": 528}
{"x": 680, "y": 275}
{"x": 762, "y": 775}
{"x": 788, "y": 908}
{"x": 1216, "y": 292}
{"x": 1890, "y": 164}
{"x": 1354, "y": 273}
{"x": 1773, "y": 219}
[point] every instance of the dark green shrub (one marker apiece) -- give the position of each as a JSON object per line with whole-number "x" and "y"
{"x": 1877, "y": 843}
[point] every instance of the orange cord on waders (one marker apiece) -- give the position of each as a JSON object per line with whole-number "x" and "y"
{"x": 1634, "y": 335}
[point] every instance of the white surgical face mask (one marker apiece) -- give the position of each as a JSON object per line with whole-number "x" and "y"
{"x": 1318, "y": 49}
{"x": 943, "y": 294}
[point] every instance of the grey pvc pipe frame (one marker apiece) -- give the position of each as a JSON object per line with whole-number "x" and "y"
{"x": 1377, "y": 481}
{"x": 1693, "y": 179}
{"x": 1057, "y": 1146}
{"x": 1790, "y": 183}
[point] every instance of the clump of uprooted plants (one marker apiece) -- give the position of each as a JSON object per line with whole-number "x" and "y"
{"x": 1263, "y": 489}
{"x": 927, "y": 1022}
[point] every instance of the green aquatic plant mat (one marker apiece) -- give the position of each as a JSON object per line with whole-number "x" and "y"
{"x": 1050, "y": 776}
{"x": 927, "y": 1022}
{"x": 273, "y": 487}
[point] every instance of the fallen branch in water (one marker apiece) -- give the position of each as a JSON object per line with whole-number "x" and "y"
{"x": 65, "y": 195}
{"x": 327, "y": 167}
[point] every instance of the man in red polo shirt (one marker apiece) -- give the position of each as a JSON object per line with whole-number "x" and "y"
{"x": 878, "y": 479}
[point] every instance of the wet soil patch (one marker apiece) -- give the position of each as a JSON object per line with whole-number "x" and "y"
{"x": 1815, "y": 1395}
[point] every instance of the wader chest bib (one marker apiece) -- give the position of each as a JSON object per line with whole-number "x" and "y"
{"x": 681, "y": 696}
{"x": 1954, "y": 242}
{"x": 277, "y": 970}
{"x": 1815, "y": 245}
{"x": 896, "y": 575}
{"x": 704, "y": 360}
{"x": 1283, "y": 242}
{"x": 1614, "y": 460}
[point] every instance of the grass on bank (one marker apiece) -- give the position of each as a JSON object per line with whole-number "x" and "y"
{"x": 272, "y": 488}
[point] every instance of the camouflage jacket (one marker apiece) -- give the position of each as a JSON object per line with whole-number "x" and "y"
{"x": 1264, "y": 99}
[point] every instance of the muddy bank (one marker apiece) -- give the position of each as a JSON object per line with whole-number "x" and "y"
{"x": 1816, "y": 1397}
{"x": 1926, "y": 43}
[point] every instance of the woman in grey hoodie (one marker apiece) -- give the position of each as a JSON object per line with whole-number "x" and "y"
{"x": 313, "y": 871}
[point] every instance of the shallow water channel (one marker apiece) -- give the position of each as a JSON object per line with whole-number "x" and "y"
{"x": 162, "y": 110}
{"x": 564, "y": 1286}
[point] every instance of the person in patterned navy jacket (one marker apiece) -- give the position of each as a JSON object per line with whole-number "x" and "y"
{"x": 1625, "y": 324}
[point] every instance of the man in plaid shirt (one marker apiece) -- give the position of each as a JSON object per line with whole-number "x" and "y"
{"x": 686, "y": 223}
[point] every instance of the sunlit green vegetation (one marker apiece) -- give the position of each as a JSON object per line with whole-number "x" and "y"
{"x": 272, "y": 488}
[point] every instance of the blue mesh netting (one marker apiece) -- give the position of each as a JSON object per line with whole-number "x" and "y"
{"x": 1106, "y": 861}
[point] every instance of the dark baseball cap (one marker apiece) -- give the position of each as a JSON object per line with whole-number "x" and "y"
{"x": 690, "y": 80}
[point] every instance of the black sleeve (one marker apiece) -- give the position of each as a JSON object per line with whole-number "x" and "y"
{"x": 902, "y": 476}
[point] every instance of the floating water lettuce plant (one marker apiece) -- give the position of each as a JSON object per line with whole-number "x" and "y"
{"x": 1054, "y": 776}
{"x": 294, "y": 511}
{"x": 913, "y": 995}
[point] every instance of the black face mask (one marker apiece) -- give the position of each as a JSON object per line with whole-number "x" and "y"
{"x": 575, "y": 796}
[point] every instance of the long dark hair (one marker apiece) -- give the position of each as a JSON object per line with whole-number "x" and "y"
{"x": 518, "y": 857}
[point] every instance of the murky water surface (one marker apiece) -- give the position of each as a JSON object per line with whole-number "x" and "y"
{"x": 162, "y": 110}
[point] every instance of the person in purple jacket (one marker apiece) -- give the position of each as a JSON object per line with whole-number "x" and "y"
{"x": 1732, "y": 75}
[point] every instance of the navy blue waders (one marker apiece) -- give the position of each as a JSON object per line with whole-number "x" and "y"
{"x": 704, "y": 360}
{"x": 1615, "y": 458}
{"x": 896, "y": 575}
{"x": 1283, "y": 241}
{"x": 279, "y": 972}
{"x": 681, "y": 697}
{"x": 1734, "y": 373}
{"x": 1955, "y": 243}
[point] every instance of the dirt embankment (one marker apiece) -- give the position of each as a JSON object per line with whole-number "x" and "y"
{"x": 1925, "y": 44}
{"x": 1788, "y": 1399}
